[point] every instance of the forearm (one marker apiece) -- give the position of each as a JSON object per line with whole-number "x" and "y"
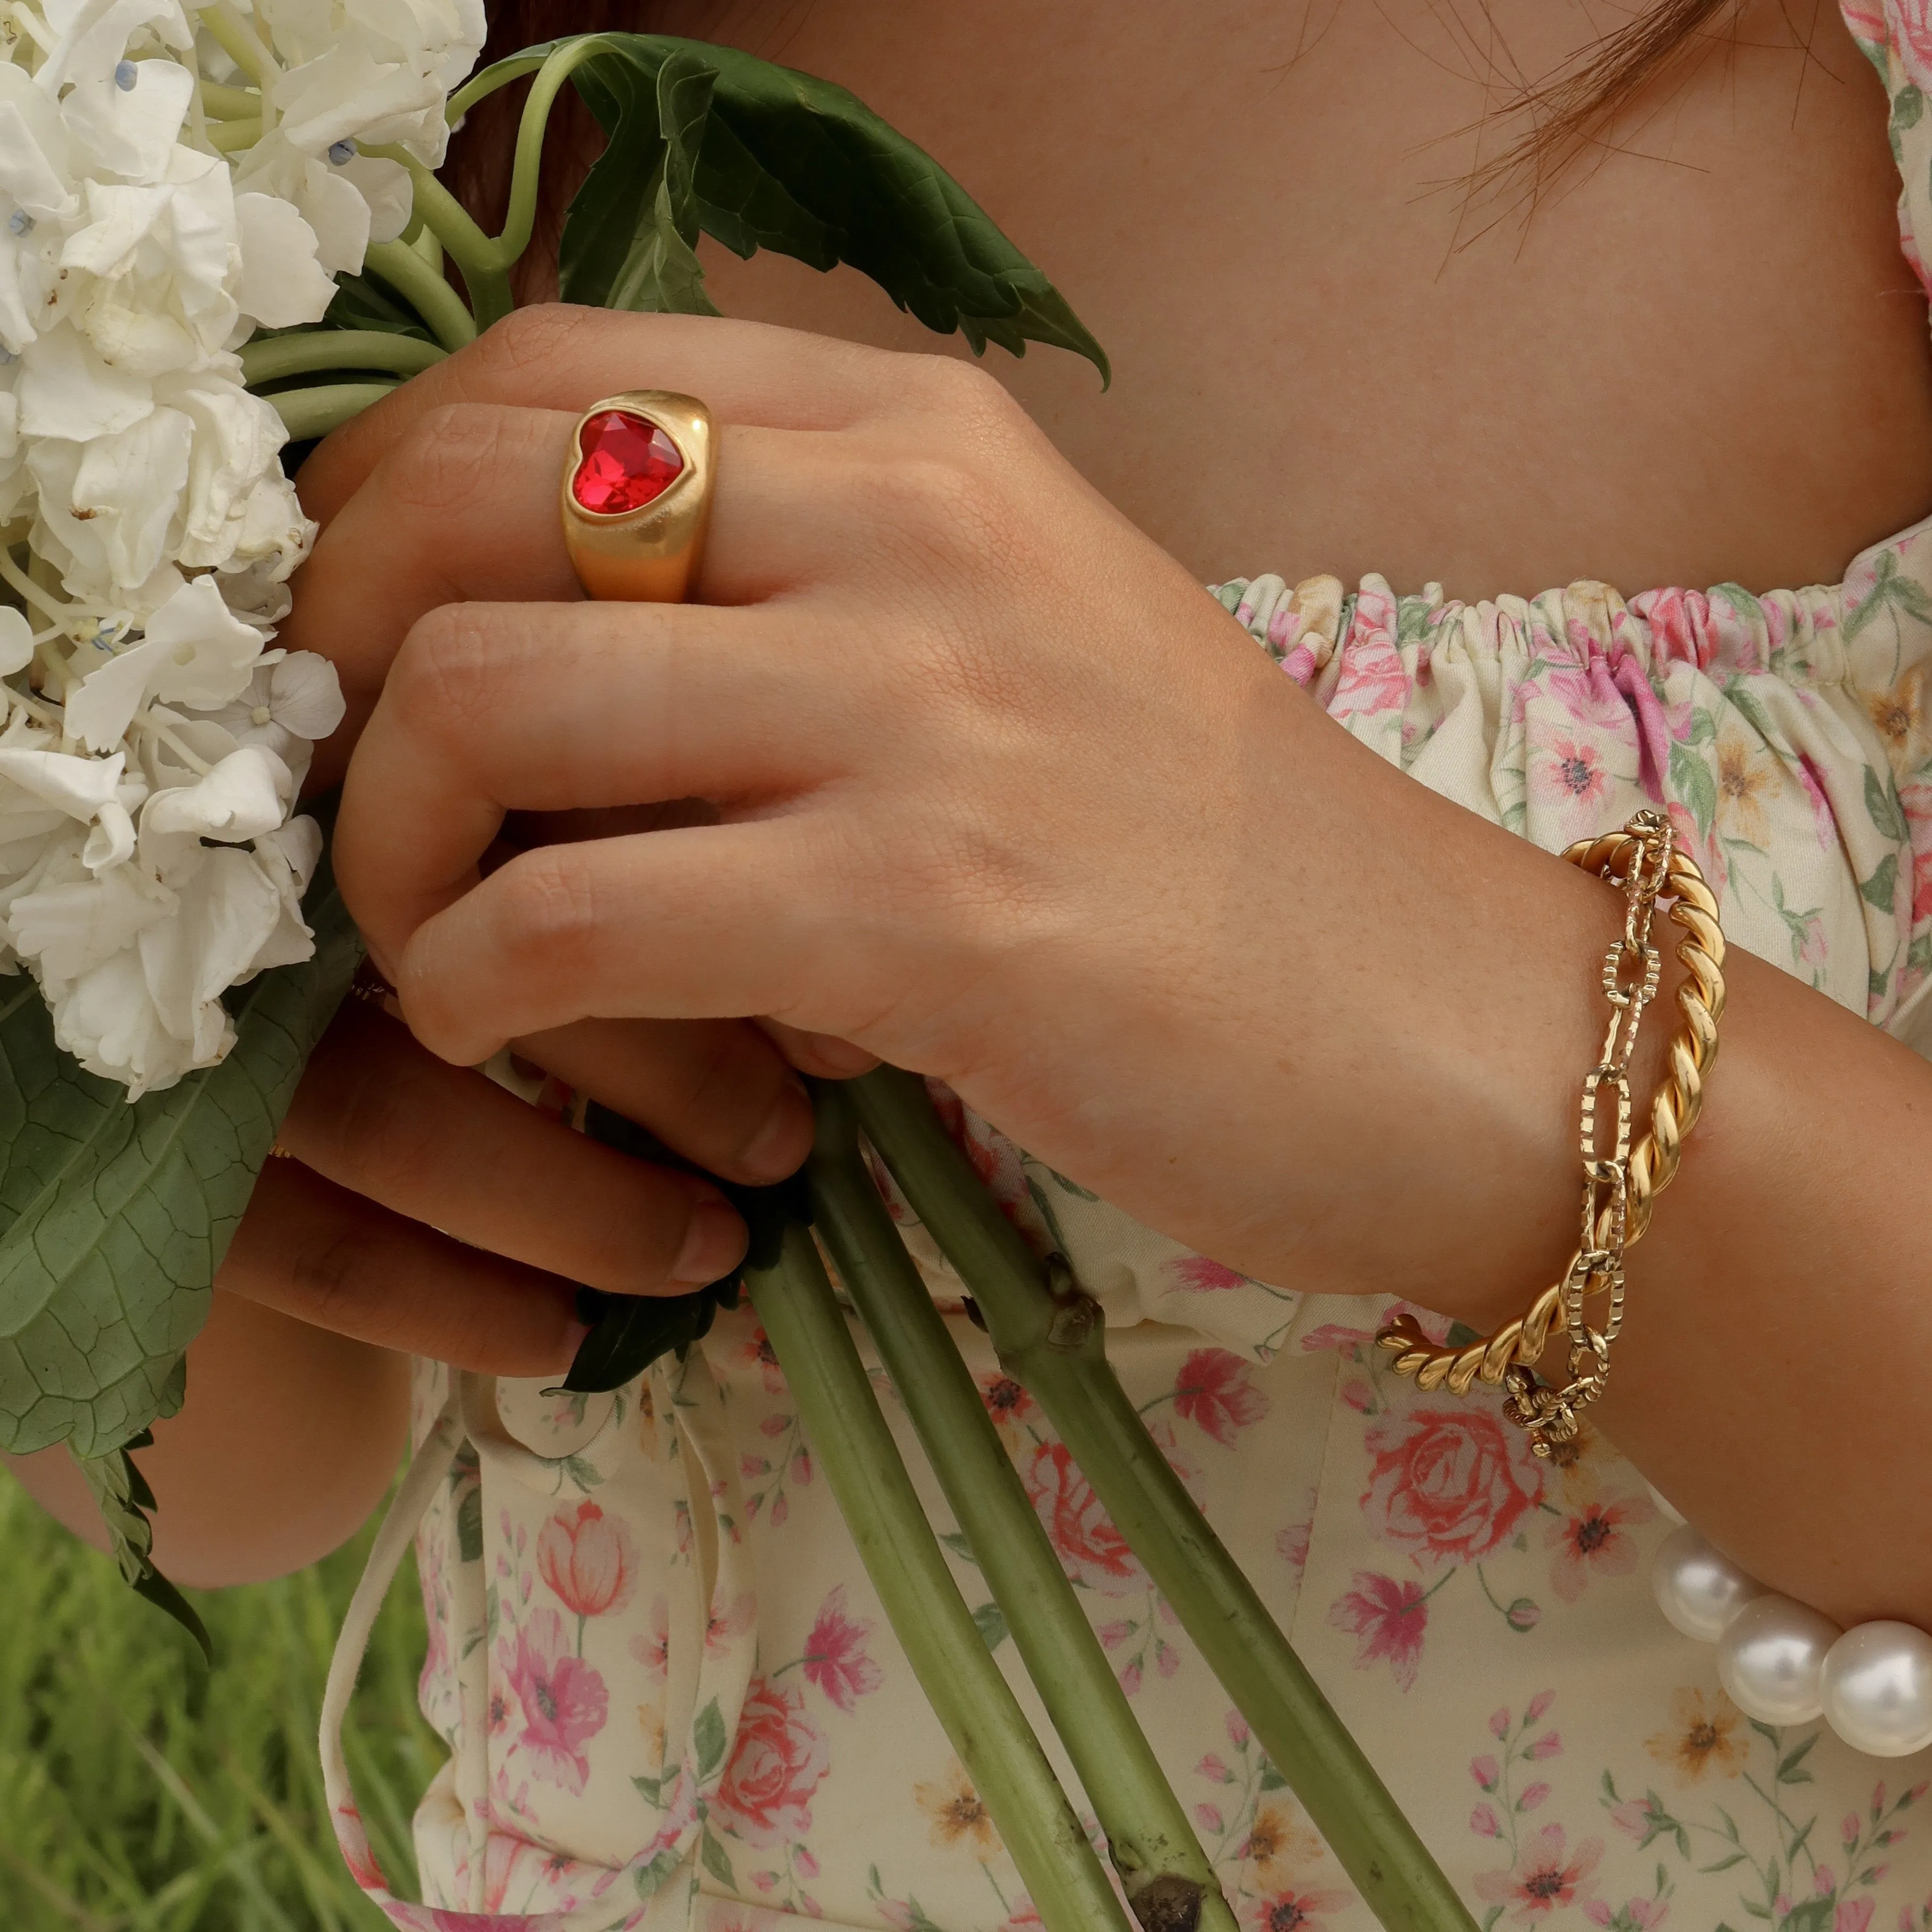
{"x": 1769, "y": 1377}
{"x": 289, "y": 1435}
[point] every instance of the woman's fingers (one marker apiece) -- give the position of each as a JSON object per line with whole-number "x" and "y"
{"x": 377, "y": 1114}
{"x": 710, "y": 922}
{"x": 561, "y": 357}
{"x": 556, "y": 708}
{"x": 328, "y": 1257}
{"x": 463, "y": 506}
{"x": 716, "y": 1091}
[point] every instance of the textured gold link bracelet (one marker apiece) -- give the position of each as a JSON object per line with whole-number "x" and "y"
{"x": 1508, "y": 1355}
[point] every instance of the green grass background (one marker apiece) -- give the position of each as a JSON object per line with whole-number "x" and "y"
{"x": 138, "y": 1793}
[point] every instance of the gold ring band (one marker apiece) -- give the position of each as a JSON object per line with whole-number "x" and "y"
{"x": 636, "y": 496}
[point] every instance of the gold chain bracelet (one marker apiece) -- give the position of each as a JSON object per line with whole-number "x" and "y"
{"x": 1619, "y": 1190}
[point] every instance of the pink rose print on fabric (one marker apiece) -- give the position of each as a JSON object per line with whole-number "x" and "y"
{"x": 1390, "y": 1619}
{"x": 1095, "y": 1553}
{"x": 589, "y": 1561}
{"x": 779, "y": 1760}
{"x": 1198, "y": 1275}
{"x": 1448, "y": 1485}
{"x": 563, "y": 1700}
{"x": 1594, "y": 1542}
{"x": 834, "y": 1660}
{"x": 1546, "y": 1877}
{"x": 1912, "y": 36}
{"x": 1215, "y": 1390}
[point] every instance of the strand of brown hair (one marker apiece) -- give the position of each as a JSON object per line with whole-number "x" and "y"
{"x": 1574, "y": 110}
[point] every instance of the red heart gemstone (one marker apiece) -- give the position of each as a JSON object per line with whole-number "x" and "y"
{"x": 627, "y": 460}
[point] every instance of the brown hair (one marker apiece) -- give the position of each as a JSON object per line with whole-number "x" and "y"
{"x": 1574, "y": 110}
{"x": 1571, "y": 111}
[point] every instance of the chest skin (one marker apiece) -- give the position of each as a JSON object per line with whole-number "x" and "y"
{"x": 1702, "y": 358}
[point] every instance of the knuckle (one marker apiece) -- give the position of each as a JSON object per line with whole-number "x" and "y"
{"x": 439, "y": 685}
{"x": 951, "y": 385}
{"x": 530, "y": 339}
{"x": 547, "y": 909}
{"x": 328, "y": 1280}
{"x": 446, "y": 460}
{"x": 387, "y": 1126}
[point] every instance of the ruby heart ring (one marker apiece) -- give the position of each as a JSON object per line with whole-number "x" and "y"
{"x": 637, "y": 495}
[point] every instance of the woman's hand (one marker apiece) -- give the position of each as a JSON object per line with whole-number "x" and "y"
{"x": 428, "y": 1210}
{"x": 1001, "y": 796}
{"x": 425, "y": 1211}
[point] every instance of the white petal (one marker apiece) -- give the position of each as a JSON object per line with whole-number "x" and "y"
{"x": 78, "y": 787}
{"x": 385, "y": 186}
{"x": 68, "y": 929}
{"x": 16, "y": 641}
{"x": 282, "y": 283}
{"x": 93, "y": 34}
{"x": 111, "y": 843}
{"x": 130, "y": 131}
{"x": 35, "y": 151}
{"x": 108, "y": 1021}
{"x": 210, "y": 652}
{"x": 228, "y": 911}
{"x": 113, "y": 500}
{"x": 66, "y": 390}
{"x": 305, "y": 695}
{"x": 245, "y": 796}
{"x": 196, "y": 652}
{"x": 288, "y": 857}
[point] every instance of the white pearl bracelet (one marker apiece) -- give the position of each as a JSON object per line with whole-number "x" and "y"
{"x": 1784, "y": 1662}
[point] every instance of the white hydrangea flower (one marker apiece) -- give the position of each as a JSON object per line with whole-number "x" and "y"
{"x": 152, "y": 740}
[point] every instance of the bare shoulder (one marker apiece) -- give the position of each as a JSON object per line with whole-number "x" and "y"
{"x": 1701, "y": 356}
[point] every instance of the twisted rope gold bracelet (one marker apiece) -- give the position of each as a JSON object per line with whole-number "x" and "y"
{"x": 1654, "y": 1161}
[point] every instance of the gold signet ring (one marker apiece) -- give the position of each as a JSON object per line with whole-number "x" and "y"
{"x": 637, "y": 495}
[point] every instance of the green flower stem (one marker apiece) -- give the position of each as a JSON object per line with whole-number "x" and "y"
{"x": 230, "y": 103}
{"x": 230, "y": 137}
{"x": 485, "y": 271}
{"x": 1051, "y": 1338}
{"x": 308, "y": 413}
{"x": 277, "y": 356}
{"x": 1167, "y": 1877}
{"x": 485, "y": 261}
{"x": 981, "y": 1717}
{"x": 241, "y": 44}
{"x": 425, "y": 290}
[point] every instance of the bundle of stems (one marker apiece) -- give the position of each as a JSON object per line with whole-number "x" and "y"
{"x": 1050, "y": 1336}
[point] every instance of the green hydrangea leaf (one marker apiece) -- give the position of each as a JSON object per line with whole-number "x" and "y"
{"x": 759, "y": 156}
{"x": 114, "y": 1216}
{"x": 630, "y": 1332}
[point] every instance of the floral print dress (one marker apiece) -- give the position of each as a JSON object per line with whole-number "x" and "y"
{"x": 670, "y": 1696}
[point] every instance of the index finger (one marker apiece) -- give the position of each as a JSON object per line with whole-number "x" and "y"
{"x": 561, "y": 357}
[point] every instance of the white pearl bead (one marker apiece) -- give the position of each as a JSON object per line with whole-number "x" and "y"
{"x": 1770, "y": 1657}
{"x": 1876, "y": 1686}
{"x": 1699, "y": 1590}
